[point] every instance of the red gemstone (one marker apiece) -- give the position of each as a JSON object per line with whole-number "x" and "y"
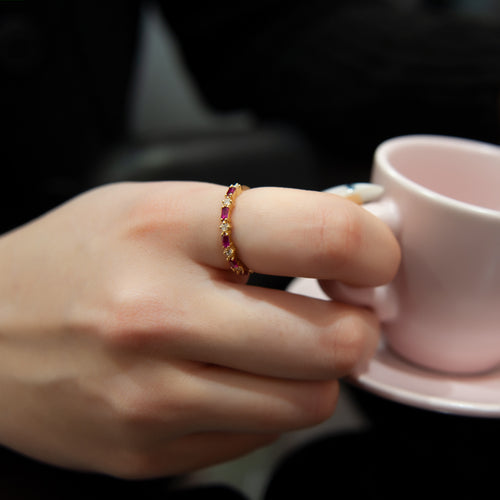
{"x": 231, "y": 190}
{"x": 234, "y": 265}
{"x": 226, "y": 241}
{"x": 224, "y": 213}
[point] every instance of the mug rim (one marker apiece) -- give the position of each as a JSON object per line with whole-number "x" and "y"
{"x": 381, "y": 158}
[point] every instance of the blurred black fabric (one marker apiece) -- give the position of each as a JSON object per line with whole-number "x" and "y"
{"x": 343, "y": 74}
{"x": 348, "y": 73}
{"x": 64, "y": 73}
{"x": 22, "y": 478}
{"x": 405, "y": 452}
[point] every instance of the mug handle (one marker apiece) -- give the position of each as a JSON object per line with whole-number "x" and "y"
{"x": 382, "y": 299}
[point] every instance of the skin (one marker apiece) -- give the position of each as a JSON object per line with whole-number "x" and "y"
{"x": 127, "y": 347}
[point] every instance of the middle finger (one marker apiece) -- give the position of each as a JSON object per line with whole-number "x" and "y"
{"x": 275, "y": 333}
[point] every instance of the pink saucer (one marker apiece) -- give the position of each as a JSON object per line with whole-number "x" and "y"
{"x": 389, "y": 376}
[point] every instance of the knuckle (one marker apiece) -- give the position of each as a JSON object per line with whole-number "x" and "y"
{"x": 129, "y": 311}
{"x": 147, "y": 218}
{"x": 353, "y": 340}
{"x": 350, "y": 235}
{"x": 142, "y": 399}
{"x": 312, "y": 403}
{"x": 137, "y": 317}
{"x": 321, "y": 402}
{"x": 131, "y": 406}
{"x": 338, "y": 236}
{"x": 139, "y": 415}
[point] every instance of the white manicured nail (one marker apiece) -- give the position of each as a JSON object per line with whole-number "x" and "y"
{"x": 360, "y": 192}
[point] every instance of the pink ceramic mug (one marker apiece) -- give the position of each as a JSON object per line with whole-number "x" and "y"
{"x": 442, "y": 200}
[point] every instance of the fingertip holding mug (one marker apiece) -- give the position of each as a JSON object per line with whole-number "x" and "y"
{"x": 441, "y": 200}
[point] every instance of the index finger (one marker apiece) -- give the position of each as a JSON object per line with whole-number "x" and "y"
{"x": 290, "y": 232}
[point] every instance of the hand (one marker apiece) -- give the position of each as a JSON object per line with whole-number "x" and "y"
{"x": 127, "y": 347}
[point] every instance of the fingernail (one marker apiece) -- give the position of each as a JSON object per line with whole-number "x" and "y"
{"x": 360, "y": 192}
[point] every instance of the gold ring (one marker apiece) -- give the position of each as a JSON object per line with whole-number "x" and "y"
{"x": 228, "y": 247}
